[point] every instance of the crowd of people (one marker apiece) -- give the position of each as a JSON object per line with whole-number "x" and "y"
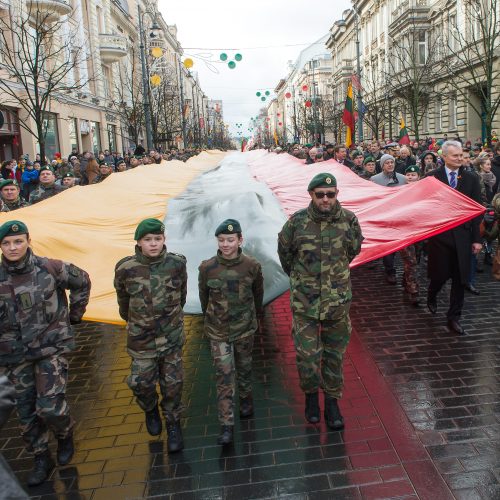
{"x": 25, "y": 182}
{"x": 391, "y": 164}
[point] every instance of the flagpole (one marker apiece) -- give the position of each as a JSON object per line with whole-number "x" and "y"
{"x": 358, "y": 69}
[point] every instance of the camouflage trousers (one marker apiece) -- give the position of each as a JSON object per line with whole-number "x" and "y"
{"x": 41, "y": 400}
{"x": 233, "y": 365}
{"x": 410, "y": 269}
{"x": 320, "y": 348}
{"x": 166, "y": 370}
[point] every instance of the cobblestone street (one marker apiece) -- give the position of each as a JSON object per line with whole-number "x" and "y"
{"x": 422, "y": 413}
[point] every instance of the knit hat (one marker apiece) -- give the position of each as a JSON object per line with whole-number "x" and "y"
{"x": 385, "y": 158}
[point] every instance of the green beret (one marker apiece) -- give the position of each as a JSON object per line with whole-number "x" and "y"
{"x": 412, "y": 169}
{"x": 12, "y": 228}
{"x": 322, "y": 180}
{"x": 68, "y": 174}
{"x": 308, "y": 145}
{"x": 368, "y": 159}
{"x": 47, "y": 167}
{"x": 8, "y": 182}
{"x": 355, "y": 154}
{"x": 149, "y": 226}
{"x": 229, "y": 226}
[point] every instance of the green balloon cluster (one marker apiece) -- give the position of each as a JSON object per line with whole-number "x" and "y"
{"x": 231, "y": 64}
{"x": 263, "y": 95}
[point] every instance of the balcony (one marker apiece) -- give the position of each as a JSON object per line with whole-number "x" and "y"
{"x": 112, "y": 47}
{"x": 52, "y": 10}
{"x": 409, "y": 12}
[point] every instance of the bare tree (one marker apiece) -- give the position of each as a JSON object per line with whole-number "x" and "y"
{"x": 473, "y": 42}
{"x": 375, "y": 99}
{"x": 413, "y": 63}
{"x": 126, "y": 97}
{"x": 44, "y": 57}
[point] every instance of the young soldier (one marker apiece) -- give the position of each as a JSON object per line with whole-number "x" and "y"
{"x": 151, "y": 291}
{"x": 231, "y": 290}
{"x": 10, "y": 192}
{"x": 35, "y": 334}
{"x": 412, "y": 174}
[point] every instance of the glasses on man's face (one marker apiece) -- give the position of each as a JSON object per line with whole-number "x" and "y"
{"x": 321, "y": 194}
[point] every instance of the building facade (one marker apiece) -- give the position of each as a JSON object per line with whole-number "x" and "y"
{"x": 424, "y": 60}
{"x": 98, "y": 103}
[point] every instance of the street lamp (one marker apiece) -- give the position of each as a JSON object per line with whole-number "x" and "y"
{"x": 145, "y": 83}
{"x": 342, "y": 25}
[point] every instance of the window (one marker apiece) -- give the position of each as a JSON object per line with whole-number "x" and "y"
{"x": 96, "y": 137}
{"x": 51, "y": 135}
{"x": 452, "y": 32}
{"x": 422, "y": 48}
{"x": 438, "y": 117}
{"x": 73, "y": 137}
{"x": 452, "y": 112}
{"x": 112, "y": 137}
{"x": 425, "y": 122}
{"x": 100, "y": 19}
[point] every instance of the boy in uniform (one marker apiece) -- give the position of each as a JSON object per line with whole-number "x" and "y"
{"x": 231, "y": 290}
{"x": 151, "y": 290}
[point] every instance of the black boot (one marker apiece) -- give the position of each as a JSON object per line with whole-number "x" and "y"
{"x": 226, "y": 435}
{"x": 65, "y": 450}
{"x": 175, "y": 440}
{"x": 246, "y": 407}
{"x": 333, "y": 417}
{"x": 153, "y": 422}
{"x": 42, "y": 468}
{"x": 312, "y": 408}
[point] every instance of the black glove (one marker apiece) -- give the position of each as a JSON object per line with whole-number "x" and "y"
{"x": 75, "y": 321}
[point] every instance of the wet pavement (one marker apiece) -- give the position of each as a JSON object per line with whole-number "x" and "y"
{"x": 421, "y": 407}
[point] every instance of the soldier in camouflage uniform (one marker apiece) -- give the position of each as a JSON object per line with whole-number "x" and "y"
{"x": 105, "y": 170}
{"x": 10, "y": 192}
{"x": 231, "y": 289}
{"x": 315, "y": 248}
{"x": 151, "y": 289}
{"x": 47, "y": 187}
{"x": 35, "y": 334}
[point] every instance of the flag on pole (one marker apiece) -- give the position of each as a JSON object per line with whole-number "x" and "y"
{"x": 243, "y": 144}
{"x": 348, "y": 116}
{"x": 275, "y": 137}
{"x": 404, "y": 138}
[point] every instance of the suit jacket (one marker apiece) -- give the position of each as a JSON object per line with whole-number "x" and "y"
{"x": 459, "y": 239}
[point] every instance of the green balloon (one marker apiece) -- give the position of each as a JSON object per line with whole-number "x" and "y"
{"x": 238, "y": 57}
{"x": 262, "y": 98}
{"x": 258, "y": 94}
{"x": 231, "y": 64}
{"x": 268, "y": 93}
{"x": 223, "y": 56}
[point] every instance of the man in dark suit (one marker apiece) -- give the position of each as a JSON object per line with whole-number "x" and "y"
{"x": 450, "y": 252}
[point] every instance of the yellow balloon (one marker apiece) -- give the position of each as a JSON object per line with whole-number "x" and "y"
{"x": 188, "y": 63}
{"x": 155, "y": 80}
{"x": 156, "y": 52}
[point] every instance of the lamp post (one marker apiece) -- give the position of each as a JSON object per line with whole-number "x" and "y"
{"x": 145, "y": 82}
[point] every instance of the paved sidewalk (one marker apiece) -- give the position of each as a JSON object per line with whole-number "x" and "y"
{"x": 421, "y": 410}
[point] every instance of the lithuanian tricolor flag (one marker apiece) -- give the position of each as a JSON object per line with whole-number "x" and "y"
{"x": 404, "y": 138}
{"x": 348, "y": 116}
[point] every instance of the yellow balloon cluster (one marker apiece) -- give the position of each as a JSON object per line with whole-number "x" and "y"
{"x": 188, "y": 63}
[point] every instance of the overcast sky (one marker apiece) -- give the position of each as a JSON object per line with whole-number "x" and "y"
{"x": 285, "y": 27}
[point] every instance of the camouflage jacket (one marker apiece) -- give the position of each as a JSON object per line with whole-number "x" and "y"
{"x": 151, "y": 293}
{"x": 3, "y": 206}
{"x": 42, "y": 193}
{"x": 99, "y": 178}
{"x": 34, "y": 317}
{"x": 14, "y": 205}
{"x": 315, "y": 250}
{"x": 231, "y": 295}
